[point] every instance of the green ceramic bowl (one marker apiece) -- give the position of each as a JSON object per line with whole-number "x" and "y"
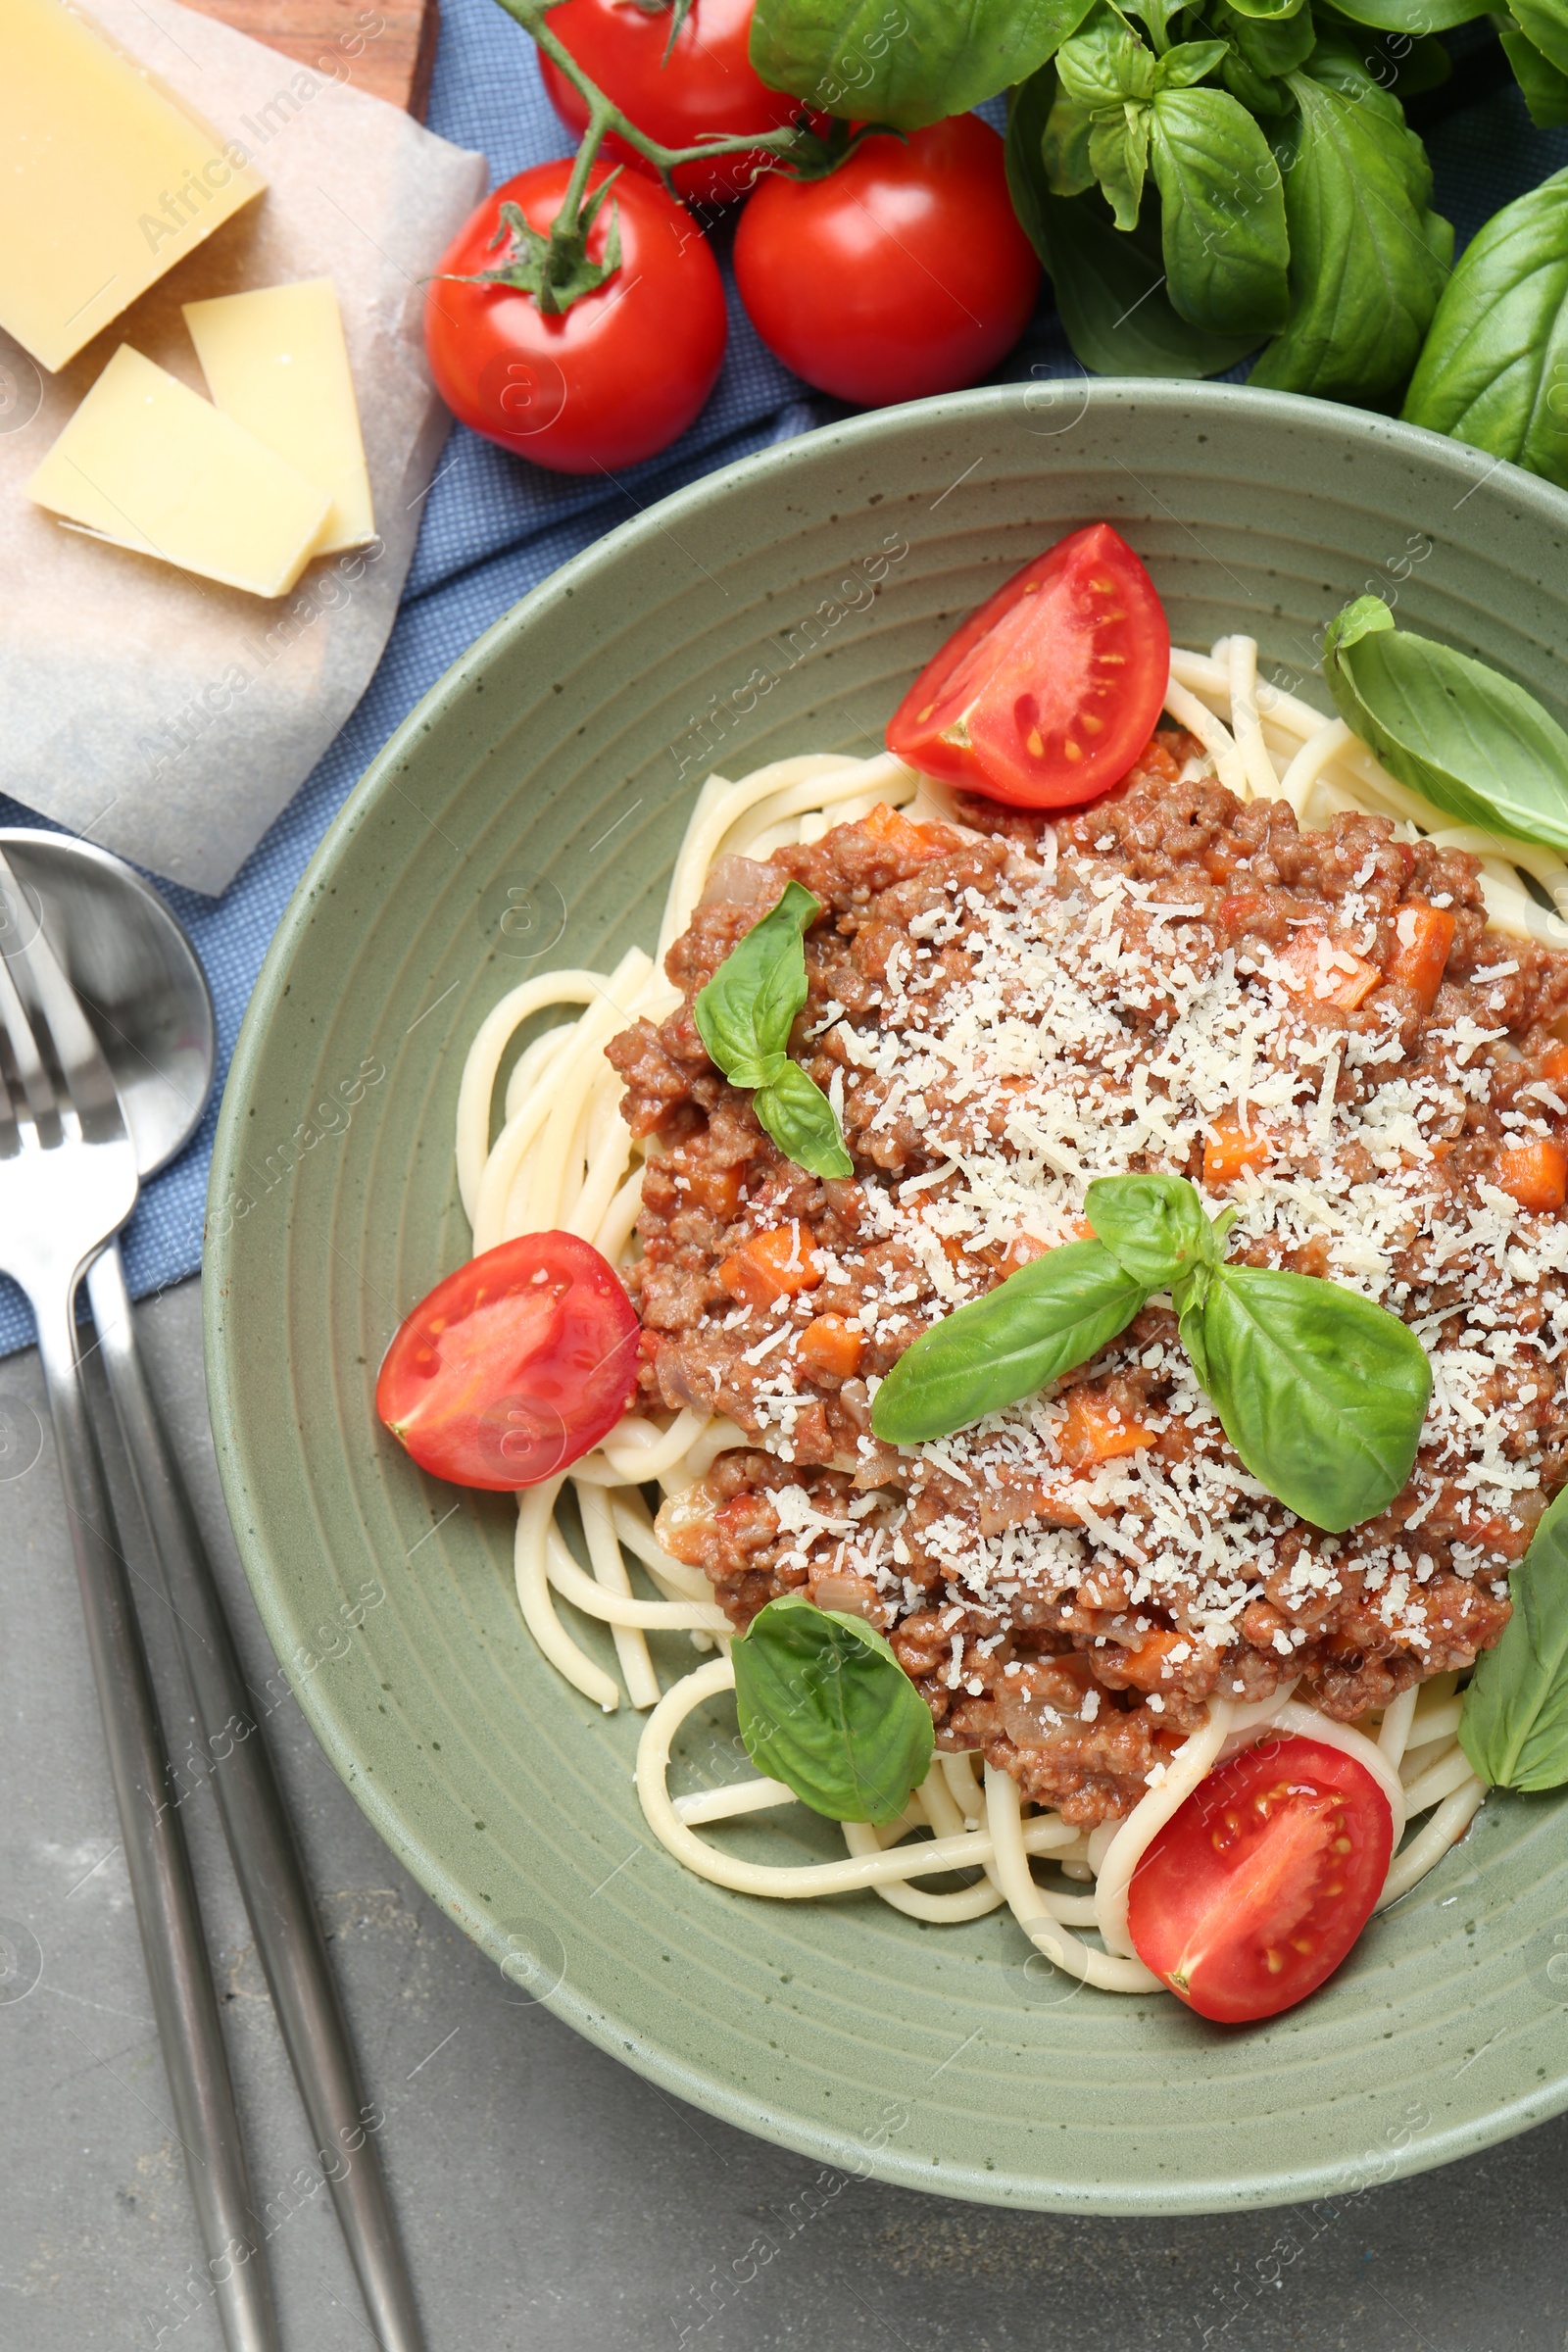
{"x": 526, "y": 814}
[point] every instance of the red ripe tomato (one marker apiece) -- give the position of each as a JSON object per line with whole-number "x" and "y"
{"x": 903, "y": 273}
{"x": 708, "y": 84}
{"x": 611, "y": 380}
{"x": 1256, "y": 1888}
{"x": 513, "y": 1366}
{"x": 1047, "y": 694}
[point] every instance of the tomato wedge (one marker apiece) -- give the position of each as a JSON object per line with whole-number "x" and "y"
{"x": 1047, "y": 694}
{"x": 513, "y": 1366}
{"x": 1256, "y": 1888}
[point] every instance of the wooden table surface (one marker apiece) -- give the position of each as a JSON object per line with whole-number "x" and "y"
{"x": 396, "y": 40}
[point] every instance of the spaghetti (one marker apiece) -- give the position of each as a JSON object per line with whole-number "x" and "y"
{"x": 565, "y": 1159}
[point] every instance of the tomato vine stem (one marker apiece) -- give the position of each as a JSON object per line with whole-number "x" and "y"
{"x": 605, "y": 116}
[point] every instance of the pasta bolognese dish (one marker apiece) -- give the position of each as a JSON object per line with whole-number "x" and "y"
{"x": 1053, "y": 1272}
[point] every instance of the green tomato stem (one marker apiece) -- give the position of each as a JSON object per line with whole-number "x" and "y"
{"x": 603, "y": 115}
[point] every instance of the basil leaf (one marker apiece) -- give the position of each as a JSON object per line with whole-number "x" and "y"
{"x": 1379, "y": 70}
{"x": 1543, "y": 25}
{"x": 910, "y": 62}
{"x": 1050, "y": 1316}
{"x": 1265, "y": 12}
{"x": 1188, "y": 63}
{"x": 1412, "y": 16}
{"x": 1065, "y": 148}
{"x": 1473, "y": 742}
{"x": 1321, "y": 1392}
{"x": 1513, "y": 1725}
{"x": 746, "y": 1010}
{"x": 1153, "y": 1225}
{"x": 1226, "y": 254}
{"x": 1259, "y": 49}
{"x": 1110, "y": 294}
{"x": 799, "y": 1119}
{"x": 1544, "y": 85}
{"x": 1497, "y": 358}
{"x": 1118, "y": 157}
{"x": 825, "y": 1707}
{"x": 1105, "y": 63}
{"x": 743, "y": 1017}
{"x": 1364, "y": 278}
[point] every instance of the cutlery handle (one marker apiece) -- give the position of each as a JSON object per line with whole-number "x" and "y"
{"x": 178, "y": 1970}
{"x": 261, "y": 1836}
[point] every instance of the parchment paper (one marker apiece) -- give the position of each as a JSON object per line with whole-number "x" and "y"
{"x": 166, "y": 717}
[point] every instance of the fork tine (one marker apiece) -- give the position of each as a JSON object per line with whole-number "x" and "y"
{"x": 81, "y": 1060}
{"x": 24, "y": 1052}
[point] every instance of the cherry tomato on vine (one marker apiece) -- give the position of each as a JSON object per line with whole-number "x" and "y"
{"x": 709, "y": 83}
{"x": 1256, "y": 1888}
{"x": 513, "y": 1366}
{"x": 903, "y": 273}
{"x": 1047, "y": 694}
{"x": 610, "y": 381}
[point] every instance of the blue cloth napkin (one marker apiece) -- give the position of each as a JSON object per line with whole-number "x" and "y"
{"x": 494, "y": 527}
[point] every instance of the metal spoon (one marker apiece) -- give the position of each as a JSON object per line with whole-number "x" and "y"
{"x": 146, "y": 996}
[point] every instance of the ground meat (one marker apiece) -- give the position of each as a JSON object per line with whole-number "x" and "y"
{"x": 1000, "y": 1012}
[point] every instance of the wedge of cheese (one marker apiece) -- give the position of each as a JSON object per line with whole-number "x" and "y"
{"x": 275, "y": 361}
{"x": 150, "y": 465}
{"x": 107, "y": 179}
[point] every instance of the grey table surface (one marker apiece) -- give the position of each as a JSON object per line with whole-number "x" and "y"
{"x": 550, "y": 2200}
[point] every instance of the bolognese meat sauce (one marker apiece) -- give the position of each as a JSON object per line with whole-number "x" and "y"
{"x": 1317, "y": 1029}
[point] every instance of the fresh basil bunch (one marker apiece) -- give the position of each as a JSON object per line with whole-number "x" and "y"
{"x": 1207, "y": 181}
{"x": 743, "y": 1017}
{"x": 1321, "y": 1392}
{"x": 1478, "y": 746}
{"x": 1293, "y": 204}
{"x": 825, "y": 1707}
{"x": 1513, "y": 1725}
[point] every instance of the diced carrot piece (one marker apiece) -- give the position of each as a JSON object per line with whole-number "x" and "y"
{"x": 775, "y": 1263}
{"x": 1535, "y": 1173}
{"x": 1025, "y": 1248}
{"x": 1089, "y": 1433}
{"x": 1228, "y": 1148}
{"x": 902, "y": 840}
{"x": 1555, "y": 1064}
{"x": 1424, "y": 934}
{"x": 1328, "y": 975}
{"x": 1144, "y": 1666}
{"x": 834, "y": 1346}
{"x": 717, "y": 1189}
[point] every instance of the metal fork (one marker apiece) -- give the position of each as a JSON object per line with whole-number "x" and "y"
{"x": 67, "y": 1182}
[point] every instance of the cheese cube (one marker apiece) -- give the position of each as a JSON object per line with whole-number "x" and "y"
{"x": 106, "y": 179}
{"x": 275, "y": 361}
{"x": 150, "y": 465}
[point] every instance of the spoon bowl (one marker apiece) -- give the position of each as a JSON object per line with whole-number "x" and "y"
{"x": 137, "y": 975}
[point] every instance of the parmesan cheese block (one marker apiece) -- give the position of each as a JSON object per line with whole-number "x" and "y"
{"x": 150, "y": 465}
{"x": 106, "y": 179}
{"x": 275, "y": 361}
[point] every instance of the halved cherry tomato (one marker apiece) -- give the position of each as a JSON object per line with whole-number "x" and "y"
{"x": 706, "y": 83}
{"x": 513, "y": 1366}
{"x": 1047, "y": 693}
{"x": 1256, "y": 1888}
